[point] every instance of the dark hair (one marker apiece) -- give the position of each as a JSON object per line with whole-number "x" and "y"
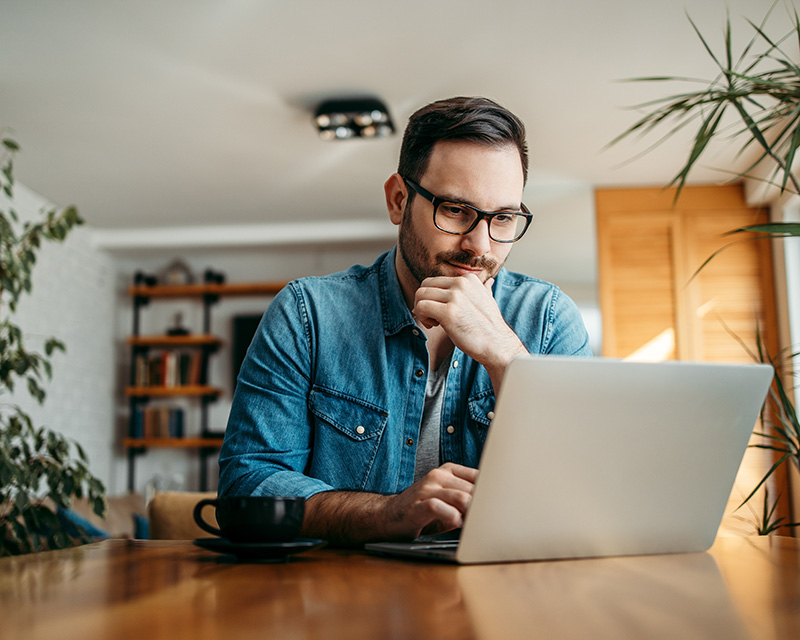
{"x": 478, "y": 120}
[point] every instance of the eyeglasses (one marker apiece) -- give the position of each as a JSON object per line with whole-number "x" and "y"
{"x": 459, "y": 219}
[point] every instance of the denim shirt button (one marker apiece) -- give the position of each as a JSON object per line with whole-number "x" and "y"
{"x": 455, "y": 364}
{"x": 415, "y": 332}
{"x": 451, "y": 429}
{"x": 410, "y": 442}
{"x": 419, "y": 373}
{"x": 490, "y": 415}
{"x": 359, "y": 429}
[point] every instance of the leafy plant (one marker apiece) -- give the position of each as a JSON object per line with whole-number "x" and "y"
{"x": 761, "y": 88}
{"x": 35, "y": 463}
{"x": 780, "y": 433}
{"x": 766, "y": 522}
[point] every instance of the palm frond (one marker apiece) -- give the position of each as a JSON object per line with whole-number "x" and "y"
{"x": 774, "y": 229}
{"x": 766, "y": 477}
{"x": 762, "y": 86}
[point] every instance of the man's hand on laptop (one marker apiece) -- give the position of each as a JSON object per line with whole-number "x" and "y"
{"x": 434, "y": 504}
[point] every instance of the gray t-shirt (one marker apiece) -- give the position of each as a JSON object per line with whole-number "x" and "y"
{"x": 427, "y": 457}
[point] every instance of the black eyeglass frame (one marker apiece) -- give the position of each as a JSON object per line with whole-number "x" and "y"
{"x": 481, "y": 215}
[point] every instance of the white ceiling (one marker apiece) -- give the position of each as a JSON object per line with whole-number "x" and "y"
{"x": 198, "y": 112}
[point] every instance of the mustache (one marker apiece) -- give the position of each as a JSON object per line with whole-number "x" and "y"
{"x": 468, "y": 260}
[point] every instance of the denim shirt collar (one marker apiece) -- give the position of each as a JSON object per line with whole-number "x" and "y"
{"x": 396, "y": 315}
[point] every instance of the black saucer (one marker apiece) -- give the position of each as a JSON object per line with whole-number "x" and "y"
{"x": 259, "y": 550}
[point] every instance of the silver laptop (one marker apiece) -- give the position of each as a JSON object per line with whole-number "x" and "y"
{"x": 592, "y": 457}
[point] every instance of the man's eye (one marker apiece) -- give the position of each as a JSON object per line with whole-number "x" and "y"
{"x": 454, "y": 210}
{"x": 504, "y": 218}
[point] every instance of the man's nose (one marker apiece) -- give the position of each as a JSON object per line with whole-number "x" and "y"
{"x": 477, "y": 242}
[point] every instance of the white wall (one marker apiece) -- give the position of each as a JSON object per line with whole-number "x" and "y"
{"x": 792, "y": 262}
{"x": 73, "y": 300}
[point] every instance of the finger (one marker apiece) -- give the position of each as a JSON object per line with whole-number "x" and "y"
{"x": 430, "y": 310}
{"x": 456, "y": 293}
{"x": 428, "y": 323}
{"x": 440, "y": 282}
{"x": 428, "y": 307}
{"x": 448, "y": 514}
{"x": 433, "y": 293}
{"x": 451, "y": 477}
{"x": 459, "y": 497}
{"x": 439, "y": 526}
{"x": 426, "y": 512}
{"x": 461, "y": 471}
{"x": 455, "y": 498}
{"x": 449, "y": 282}
{"x": 425, "y": 320}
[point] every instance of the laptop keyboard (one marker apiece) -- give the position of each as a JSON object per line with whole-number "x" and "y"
{"x": 435, "y": 544}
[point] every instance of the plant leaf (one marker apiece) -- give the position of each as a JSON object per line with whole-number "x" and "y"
{"x": 778, "y": 229}
{"x": 766, "y": 477}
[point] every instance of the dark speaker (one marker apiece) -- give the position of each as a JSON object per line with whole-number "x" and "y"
{"x": 244, "y": 328}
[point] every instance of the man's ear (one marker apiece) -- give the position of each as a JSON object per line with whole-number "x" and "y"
{"x": 396, "y": 197}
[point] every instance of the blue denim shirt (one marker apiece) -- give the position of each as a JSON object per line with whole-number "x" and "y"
{"x": 331, "y": 391}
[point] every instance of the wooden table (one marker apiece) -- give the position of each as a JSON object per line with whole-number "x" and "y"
{"x": 145, "y": 590}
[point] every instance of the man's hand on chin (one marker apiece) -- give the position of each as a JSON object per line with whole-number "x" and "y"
{"x": 465, "y": 308}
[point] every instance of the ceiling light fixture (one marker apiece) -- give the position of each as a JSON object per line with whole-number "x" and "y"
{"x": 353, "y": 118}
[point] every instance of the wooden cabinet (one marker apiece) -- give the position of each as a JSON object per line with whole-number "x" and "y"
{"x": 175, "y": 366}
{"x": 655, "y": 304}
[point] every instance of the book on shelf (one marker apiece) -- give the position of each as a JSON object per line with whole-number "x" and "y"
{"x": 169, "y": 368}
{"x": 157, "y": 422}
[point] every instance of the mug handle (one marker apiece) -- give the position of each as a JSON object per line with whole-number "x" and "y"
{"x": 198, "y": 515}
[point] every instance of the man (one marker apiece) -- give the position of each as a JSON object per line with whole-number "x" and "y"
{"x": 370, "y": 392}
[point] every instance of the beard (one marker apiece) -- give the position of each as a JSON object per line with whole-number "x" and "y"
{"x": 422, "y": 265}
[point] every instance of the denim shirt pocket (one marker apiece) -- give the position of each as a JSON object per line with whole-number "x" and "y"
{"x": 480, "y": 408}
{"x": 347, "y": 434}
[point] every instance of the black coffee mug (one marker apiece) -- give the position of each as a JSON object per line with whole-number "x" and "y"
{"x": 254, "y": 518}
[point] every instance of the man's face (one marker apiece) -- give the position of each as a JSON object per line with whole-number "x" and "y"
{"x": 489, "y": 178}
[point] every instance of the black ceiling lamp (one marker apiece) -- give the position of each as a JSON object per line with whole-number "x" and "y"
{"x": 341, "y": 119}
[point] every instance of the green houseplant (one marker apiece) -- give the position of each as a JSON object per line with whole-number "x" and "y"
{"x": 759, "y": 90}
{"x": 38, "y": 471}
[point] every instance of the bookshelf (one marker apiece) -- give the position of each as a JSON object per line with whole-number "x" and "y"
{"x": 176, "y": 366}
{"x": 179, "y": 390}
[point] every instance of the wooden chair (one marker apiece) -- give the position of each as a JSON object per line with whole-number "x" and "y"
{"x": 171, "y": 515}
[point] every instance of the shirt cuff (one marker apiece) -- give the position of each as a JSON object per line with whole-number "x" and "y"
{"x": 290, "y": 483}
